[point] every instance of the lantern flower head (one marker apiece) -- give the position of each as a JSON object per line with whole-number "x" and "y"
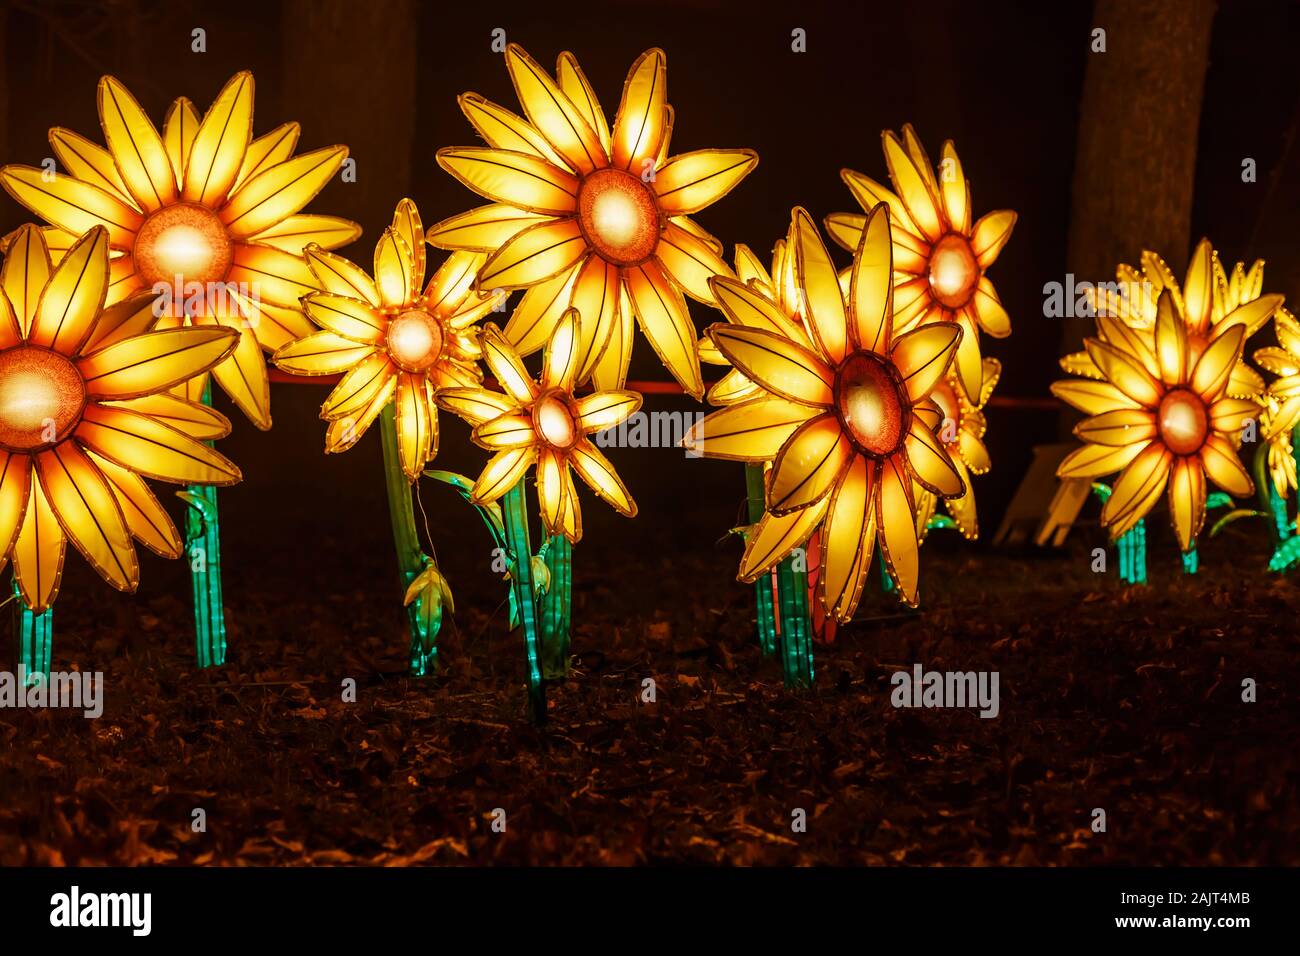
{"x": 393, "y": 338}
{"x": 593, "y": 219}
{"x": 1160, "y": 415}
{"x": 843, "y": 413}
{"x": 542, "y": 422}
{"x": 941, "y": 254}
{"x": 1282, "y": 399}
{"x": 1208, "y": 301}
{"x": 202, "y": 213}
{"x": 961, "y": 429}
{"x": 85, "y": 416}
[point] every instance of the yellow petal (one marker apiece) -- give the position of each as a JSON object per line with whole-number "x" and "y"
{"x": 896, "y": 526}
{"x": 536, "y": 254}
{"x": 922, "y": 204}
{"x": 822, "y": 302}
{"x": 416, "y": 423}
{"x": 595, "y": 469}
{"x": 689, "y": 262}
{"x": 596, "y": 296}
{"x": 193, "y": 418}
{"x": 930, "y": 463}
{"x": 553, "y": 113}
{"x": 15, "y": 485}
{"x": 954, "y": 190}
{"x": 507, "y": 367}
{"x": 560, "y": 362}
{"x": 274, "y": 326}
{"x": 38, "y": 553}
{"x": 266, "y": 151}
{"x": 475, "y": 405}
{"x": 610, "y": 370}
{"x": 220, "y": 143}
{"x": 88, "y": 513}
{"x": 746, "y": 306}
{"x": 503, "y": 471}
{"x": 1121, "y": 426}
{"x": 870, "y": 194}
{"x": 483, "y": 229}
{"x": 451, "y": 288}
{"x": 847, "y": 539}
{"x": 775, "y": 536}
{"x": 511, "y": 430}
{"x": 136, "y": 147}
{"x": 516, "y": 179}
{"x": 990, "y": 234}
{"x": 272, "y": 274}
{"x": 573, "y": 83}
{"x": 72, "y": 205}
{"x": 376, "y": 374}
{"x": 89, "y": 162}
{"x": 152, "y": 449}
{"x": 394, "y": 267}
{"x": 502, "y": 129}
{"x": 690, "y": 182}
{"x": 1198, "y": 288}
{"x": 1170, "y": 343}
{"x": 145, "y": 517}
{"x": 973, "y": 455}
{"x": 1228, "y": 416}
{"x": 871, "y": 287}
{"x": 989, "y": 311}
{"x": 922, "y": 357}
{"x": 25, "y": 272}
{"x": 1137, "y": 489}
{"x": 808, "y": 465}
{"x": 74, "y": 297}
{"x": 243, "y": 375}
{"x": 539, "y": 308}
{"x": 605, "y": 409}
{"x": 122, "y": 320}
{"x": 281, "y": 191}
{"x": 153, "y": 362}
{"x": 407, "y": 224}
{"x": 346, "y": 317}
{"x": 749, "y": 431}
{"x": 1125, "y": 373}
{"x": 346, "y": 430}
{"x": 661, "y": 312}
{"x": 323, "y": 353}
{"x": 550, "y": 489}
{"x": 776, "y": 363}
{"x": 639, "y": 123}
{"x": 294, "y": 234}
{"x": 1094, "y": 461}
{"x": 1187, "y": 501}
{"x": 1224, "y": 467}
{"x": 340, "y": 276}
{"x": 1210, "y": 376}
{"x": 180, "y": 127}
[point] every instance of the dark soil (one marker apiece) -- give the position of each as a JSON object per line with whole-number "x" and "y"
{"x": 1125, "y": 699}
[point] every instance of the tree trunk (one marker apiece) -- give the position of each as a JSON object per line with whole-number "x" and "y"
{"x": 349, "y": 73}
{"x": 1138, "y": 122}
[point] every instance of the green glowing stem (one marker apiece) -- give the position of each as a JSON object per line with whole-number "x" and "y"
{"x": 410, "y": 556}
{"x": 1191, "y": 560}
{"x": 1132, "y": 547}
{"x": 763, "y": 587}
{"x": 203, "y": 548}
{"x": 521, "y": 577}
{"x": 34, "y": 638}
{"x": 886, "y": 582}
{"x": 796, "y": 630}
{"x": 557, "y": 609}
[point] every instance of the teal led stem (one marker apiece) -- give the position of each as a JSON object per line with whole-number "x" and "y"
{"x": 1132, "y": 547}
{"x": 1270, "y": 502}
{"x": 886, "y": 582}
{"x": 203, "y": 548}
{"x": 763, "y": 603}
{"x": 410, "y": 556}
{"x": 557, "y": 609}
{"x": 34, "y": 633}
{"x": 1190, "y": 560}
{"x": 796, "y": 629}
{"x": 521, "y": 578}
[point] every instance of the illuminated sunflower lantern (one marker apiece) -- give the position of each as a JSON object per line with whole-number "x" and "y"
{"x": 844, "y": 414}
{"x": 201, "y": 212}
{"x": 591, "y": 218}
{"x": 395, "y": 340}
{"x": 1281, "y": 400}
{"x": 543, "y": 423}
{"x": 1161, "y": 415}
{"x": 961, "y": 429}
{"x": 941, "y": 253}
{"x": 1207, "y": 302}
{"x": 85, "y": 417}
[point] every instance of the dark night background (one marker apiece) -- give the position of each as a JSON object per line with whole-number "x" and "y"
{"x": 307, "y": 534}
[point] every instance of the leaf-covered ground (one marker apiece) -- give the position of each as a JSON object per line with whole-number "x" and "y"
{"x": 1127, "y": 700}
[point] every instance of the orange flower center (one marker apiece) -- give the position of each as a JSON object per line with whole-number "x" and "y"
{"x": 954, "y": 273}
{"x": 618, "y": 216}
{"x": 183, "y": 243}
{"x": 554, "y": 420}
{"x": 415, "y": 340}
{"x": 41, "y": 398}
{"x": 944, "y": 396}
{"x": 1183, "y": 422}
{"x": 872, "y": 404}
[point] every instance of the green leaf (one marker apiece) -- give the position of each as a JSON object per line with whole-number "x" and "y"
{"x": 1235, "y": 515}
{"x": 1218, "y": 499}
{"x": 1287, "y": 554}
{"x": 1101, "y": 490}
{"x": 431, "y": 594}
{"x": 940, "y": 521}
{"x": 198, "y": 503}
{"x": 490, "y": 513}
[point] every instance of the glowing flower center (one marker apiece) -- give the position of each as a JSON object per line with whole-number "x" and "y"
{"x": 553, "y": 419}
{"x": 1183, "y": 422}
{"x": 872, "y": 404}
{"x": 954, "y": 273}
{"x": 950, "y": 408}
{"x": 41, "y": 397}
{"x": 619, "y": 216}
{"x": 186, "y": 240}
{"x": 415, "y": 340}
